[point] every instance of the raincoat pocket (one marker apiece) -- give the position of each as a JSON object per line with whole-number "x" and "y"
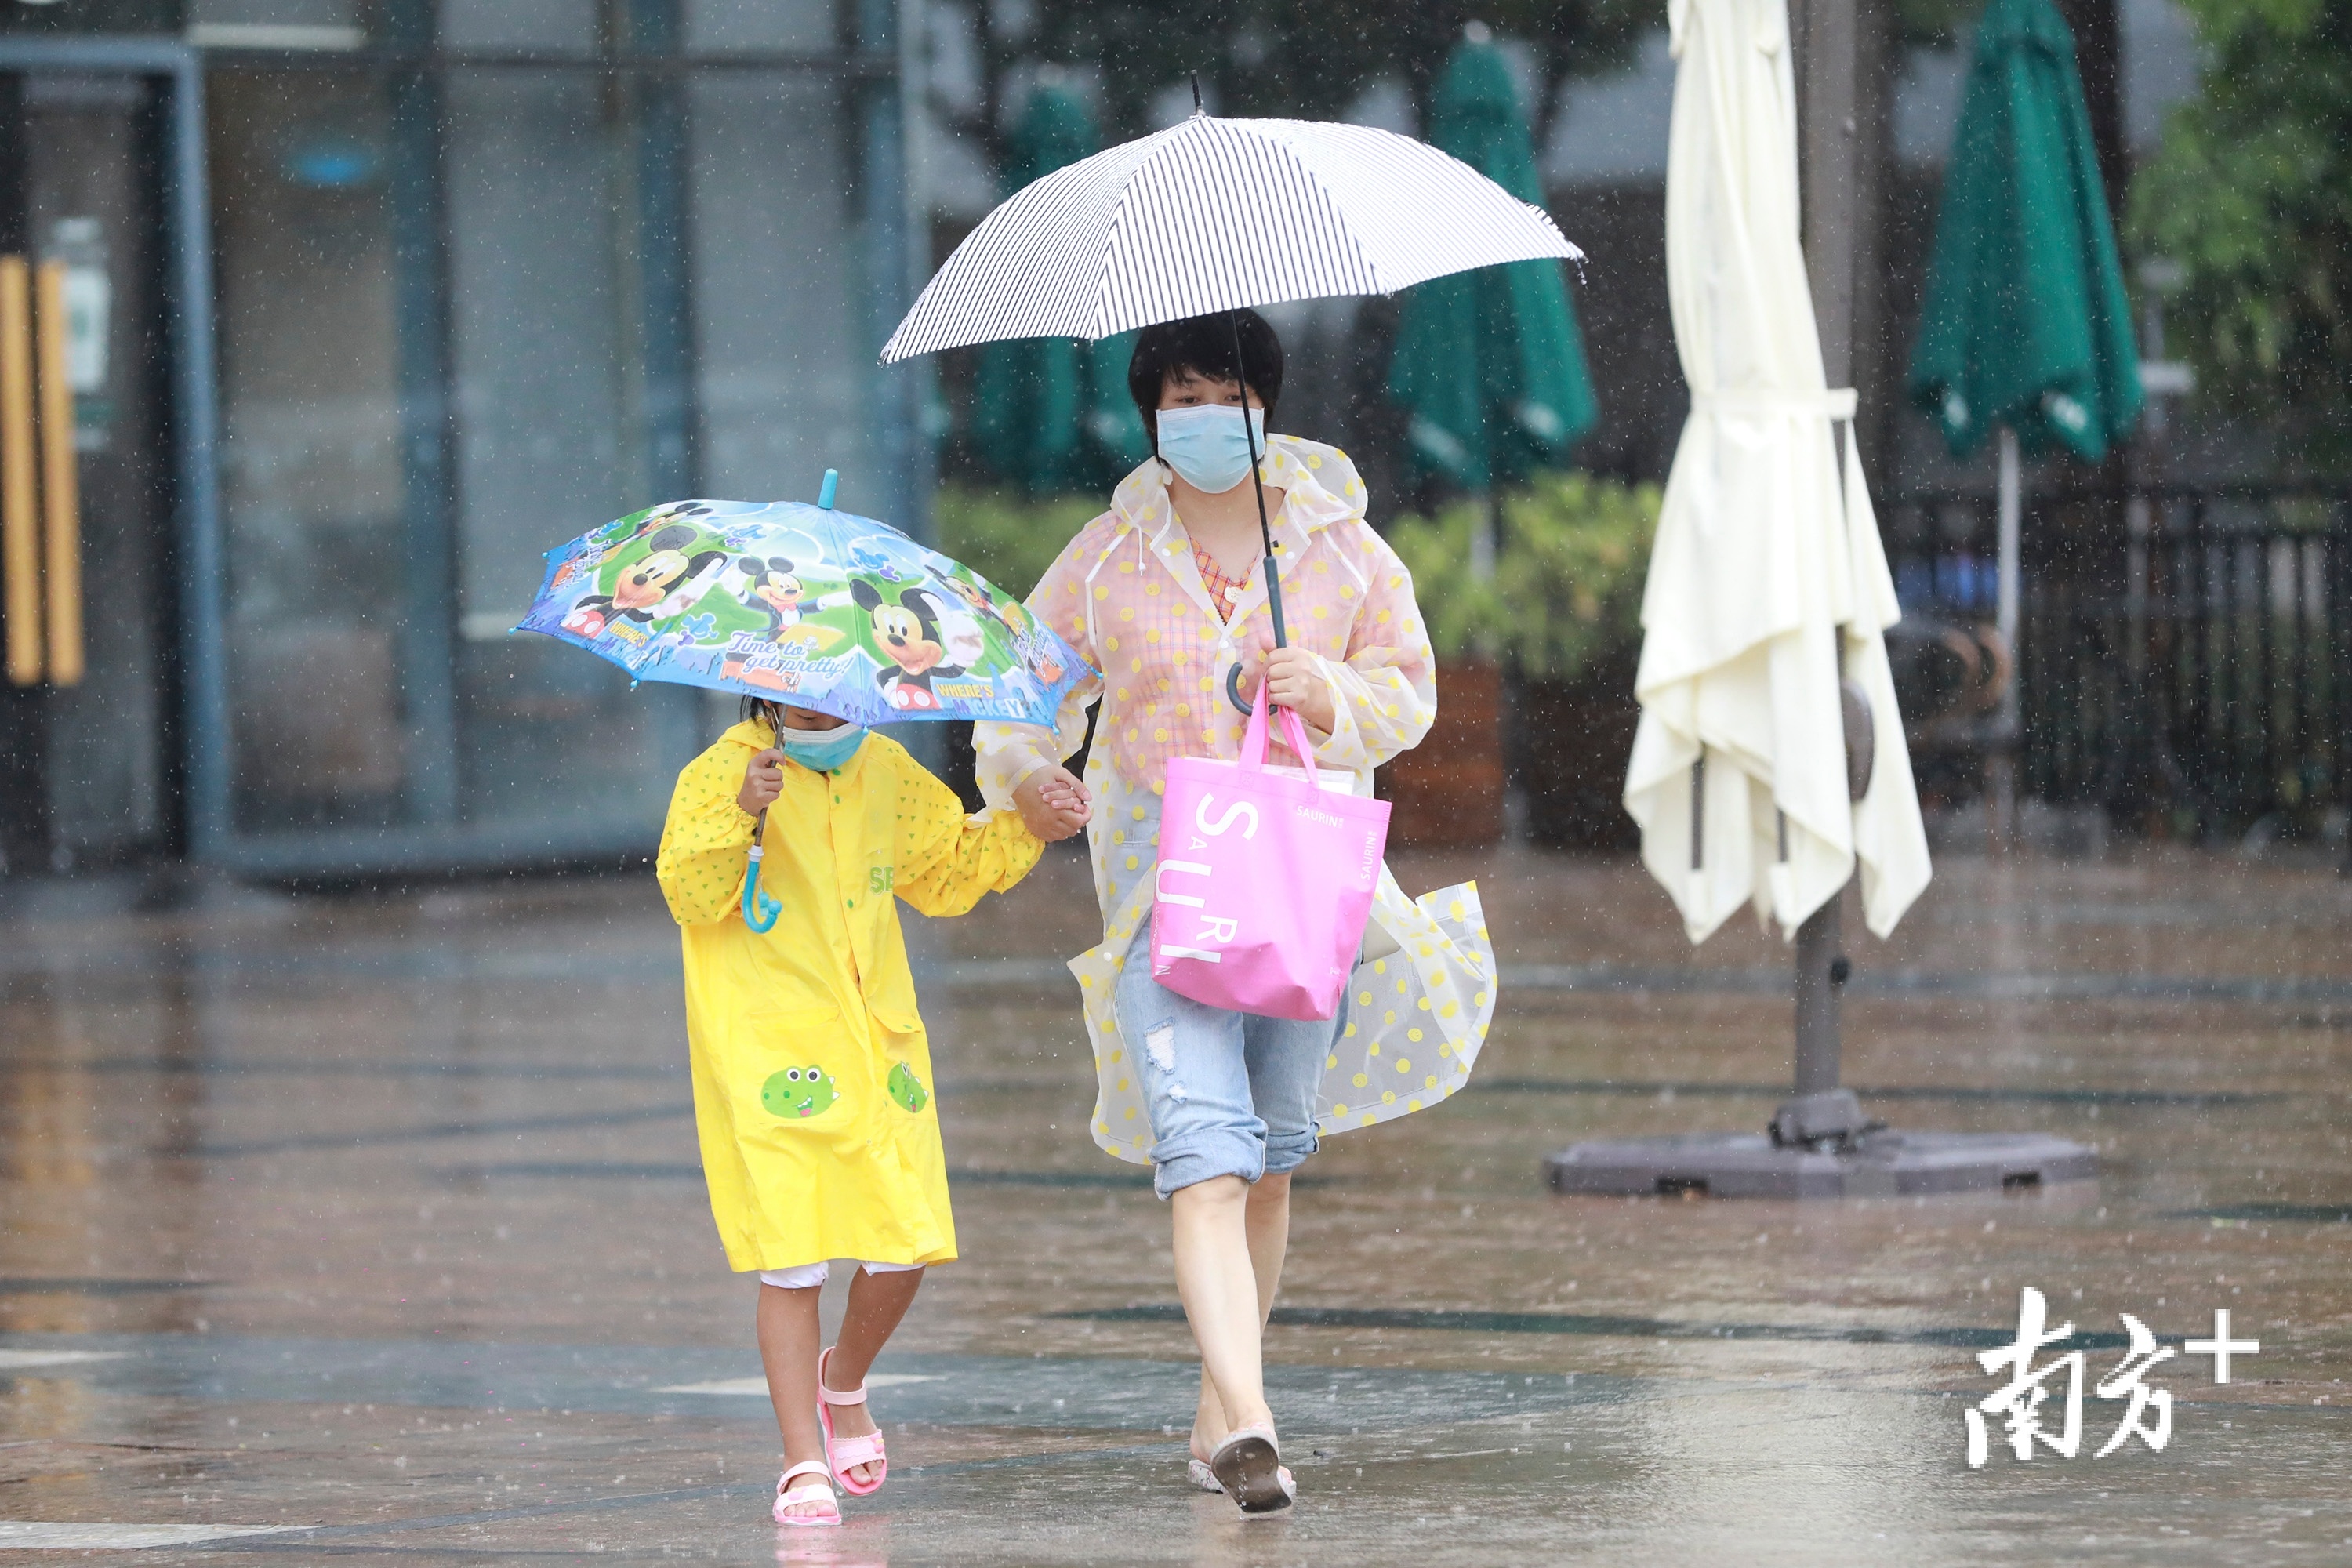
{"x": 906, "y": 1064}
{"x": 896, "y": 1017}
{"x": 793, "y": 1067}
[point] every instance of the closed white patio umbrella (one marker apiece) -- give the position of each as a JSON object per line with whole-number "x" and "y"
{"x": 1764, "y": 626}
{"x": 1768, "y": 583}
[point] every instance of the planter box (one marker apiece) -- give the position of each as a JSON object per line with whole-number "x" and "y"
{"x": 1447, "y": 792}
{"x": 1574, "y": 739}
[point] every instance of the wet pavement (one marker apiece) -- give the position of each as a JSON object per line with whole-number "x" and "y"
{"x": 367, "y": 1225}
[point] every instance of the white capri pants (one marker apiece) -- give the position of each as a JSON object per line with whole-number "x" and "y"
{"x": 809, "y": 1275}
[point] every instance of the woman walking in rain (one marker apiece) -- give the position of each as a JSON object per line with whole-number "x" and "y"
{"x": 1165, "y": 594}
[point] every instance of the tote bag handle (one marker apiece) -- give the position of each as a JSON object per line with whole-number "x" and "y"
{"x": 1255, "y": 740}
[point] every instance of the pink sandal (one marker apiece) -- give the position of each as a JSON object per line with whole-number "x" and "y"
{"x": 842, "y": 1453}
{"x": 789, "y": 1495}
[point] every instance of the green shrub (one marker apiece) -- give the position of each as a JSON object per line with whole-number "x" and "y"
{"x": 1572, "y": 552}
{"x": 1007, "y": 537}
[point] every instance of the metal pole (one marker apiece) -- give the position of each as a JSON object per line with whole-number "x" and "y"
{"x": 1482, "y": 536}
{"x": 2003, "y": 762}
{"x": 1819, "y": 978}
{"x": 1830, "y": 151}
{"x": 2012, "y": 503}
{"x": 1829, "y": 170}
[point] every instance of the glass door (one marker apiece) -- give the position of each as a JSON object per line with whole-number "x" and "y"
{"x": 429, "y": 287}
{"x": 87, "y": 607}
{"x": 308, "y": 349}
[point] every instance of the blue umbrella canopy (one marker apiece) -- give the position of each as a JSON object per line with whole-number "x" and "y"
{"x": 804, "y": 604}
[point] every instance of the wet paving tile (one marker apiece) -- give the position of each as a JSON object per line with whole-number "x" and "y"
{"x": 377, "y": 1217}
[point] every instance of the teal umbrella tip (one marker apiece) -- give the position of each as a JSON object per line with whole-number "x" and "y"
{"x": 825, "y": 491}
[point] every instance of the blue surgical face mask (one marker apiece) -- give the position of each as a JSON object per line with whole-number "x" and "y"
{"x": 1205, "y": 445}
{"x": 821, "y": 751}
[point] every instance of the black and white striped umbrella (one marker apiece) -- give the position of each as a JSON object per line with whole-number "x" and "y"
{"x": 1213, "y": 215}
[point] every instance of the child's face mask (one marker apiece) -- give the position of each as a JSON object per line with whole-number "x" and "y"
{"x": 1206, "y": 446}
{"x": 821, "y": 751}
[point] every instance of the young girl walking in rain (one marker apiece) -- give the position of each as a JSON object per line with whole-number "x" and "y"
{"x": 1165, "y": 594}
{"x": 813, "y": 1092}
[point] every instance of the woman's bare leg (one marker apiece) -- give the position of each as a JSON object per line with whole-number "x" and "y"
{"x": 789, "y": 1340}
{"x": 876, "y": 1302}
{"x": 1267, "y": 1225}
{"x": 1217, "y": 1279}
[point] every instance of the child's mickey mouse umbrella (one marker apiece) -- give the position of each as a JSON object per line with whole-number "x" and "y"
{"x": 802, "y": 605}
{"x": 806, "y": 605}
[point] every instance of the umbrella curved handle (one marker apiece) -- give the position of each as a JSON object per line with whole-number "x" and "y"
{"x": 759, "y": 911}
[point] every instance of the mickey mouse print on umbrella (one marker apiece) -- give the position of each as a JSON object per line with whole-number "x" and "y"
{"x": 804, "y": 604}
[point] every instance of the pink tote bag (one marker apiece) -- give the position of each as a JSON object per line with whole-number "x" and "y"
{"x": 1264, "y": 881}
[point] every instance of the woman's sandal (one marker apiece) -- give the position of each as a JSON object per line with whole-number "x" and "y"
{"x": 1249, "y": 1465}
{"x": 1198, "y": 1475}
{"x": 789, "y": 1496}
{"x": 846, "y": 1452}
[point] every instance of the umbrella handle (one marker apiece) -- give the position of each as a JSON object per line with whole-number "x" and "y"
{"x": 759, "y": 911}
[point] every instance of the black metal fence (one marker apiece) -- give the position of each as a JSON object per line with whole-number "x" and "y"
{"x": 2184, "y": 655}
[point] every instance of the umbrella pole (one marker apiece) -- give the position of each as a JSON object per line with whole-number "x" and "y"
{"x": 2003, "y": 760}
{"x": 1820, "y": 1109}
{"x": 1821, "y": 971}
{"x": 1257, "y": 483}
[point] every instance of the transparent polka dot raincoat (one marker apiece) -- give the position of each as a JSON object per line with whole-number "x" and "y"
{"x": 1127, "y": 595}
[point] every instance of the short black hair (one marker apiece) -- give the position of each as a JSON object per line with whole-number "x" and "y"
{"x": 1203, "y": 345}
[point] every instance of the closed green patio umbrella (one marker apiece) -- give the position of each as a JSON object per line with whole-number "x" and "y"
{"x": 2026, "y": 324}
{"x": 1490, "y": 363}
{"x": 1052, "y": 413}
{"x": 2026, "y": 327}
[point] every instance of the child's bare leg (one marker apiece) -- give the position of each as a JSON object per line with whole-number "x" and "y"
{"x": 1267, "y": 1221}
{"x": 876, "y": 1302}
{"x": 789, "y": 1341}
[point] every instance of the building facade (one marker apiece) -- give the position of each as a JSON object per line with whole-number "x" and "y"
{"x": 358, "y": 307}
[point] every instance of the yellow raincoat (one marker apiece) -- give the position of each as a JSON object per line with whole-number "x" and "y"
{"x": 812, "y": 1074}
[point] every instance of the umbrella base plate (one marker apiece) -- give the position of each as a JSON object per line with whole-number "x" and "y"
{"x": 1886, "y": 1164}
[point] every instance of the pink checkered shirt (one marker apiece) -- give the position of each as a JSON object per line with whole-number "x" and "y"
{"x": 1131, "y": 596}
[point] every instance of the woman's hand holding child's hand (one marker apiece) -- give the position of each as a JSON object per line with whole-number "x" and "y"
{"x": 1053, "y": 802}
{"x": 1293, "y": 679}
{"x": 763, "y": 781}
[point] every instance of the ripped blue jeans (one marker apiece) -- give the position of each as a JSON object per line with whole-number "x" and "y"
{"x": 1229, "y": 1094}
